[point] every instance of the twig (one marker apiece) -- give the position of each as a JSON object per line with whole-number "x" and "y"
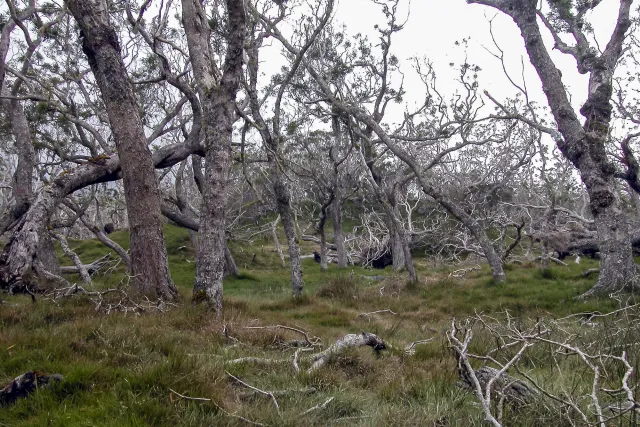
{"x": 316, "y": 340}
{"x": 266, "y": 393}
{"x": 368, "y": 315}
{"x": 203, "y": 399}
{"x": 321, "y": 406}
{"x": 410, "y": 349}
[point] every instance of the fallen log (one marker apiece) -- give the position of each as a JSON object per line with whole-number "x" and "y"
{"x": 26, "y": 384}
{"x": 344, "y": 343}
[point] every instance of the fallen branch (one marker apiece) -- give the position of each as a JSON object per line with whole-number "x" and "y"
{"x": 204, "y": 399}
{"x": 368, "y": 315}
{"x": 307, "y": 341}
{"x": 81, "y": 269}
{"x": 590, "y": 271}
{"x": 410, "y": 349}
{"x": 550, "y": 258}
{"x": 344, "y": 343}
{"x": 92, "y": 268}
{"x": 266, "y": 393}
{"x": 321, "y": 406}
{"x": 255, "y": 360}
{"x": 120, "y": 302}
{"x": 459, "y": 274}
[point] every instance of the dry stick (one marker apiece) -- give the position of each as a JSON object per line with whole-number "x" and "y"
{"x": 266, "y": 393}
{"x": 377, "y": 312}
{"x": 321, "y": 406}
{"x": 296, "y": 367}
{"x": 203, "y": 399}
{"x": 410, "y": 349}
{"x": 461, "y": 348}
{"x": 256, "y": 360}
{"x": 590, "y": 271}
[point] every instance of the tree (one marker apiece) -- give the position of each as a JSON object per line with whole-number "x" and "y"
{"x": 272, "y": 136}
{"x": 149, "y": 264}
{"x": 217, "y": 96}
{"x": 584, "y": 144}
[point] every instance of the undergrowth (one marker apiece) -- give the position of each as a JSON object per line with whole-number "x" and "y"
{"x": 120, "y": 369}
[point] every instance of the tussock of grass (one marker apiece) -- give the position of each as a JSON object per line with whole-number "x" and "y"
{"x": 118, "y": 369}
{"x": 342, "y": 287}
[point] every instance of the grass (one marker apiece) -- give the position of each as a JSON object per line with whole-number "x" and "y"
{"x": 119, "y": 369}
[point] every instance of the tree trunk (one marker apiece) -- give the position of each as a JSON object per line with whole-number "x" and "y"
{"x": 324, "y": 262}
{"x": 217, "y": 97}
{"x": 230, "y": 266}
{"x": 276, "y": 242}
{"x": 397, "y": 251}
{"x": 19, "y": 262}
{"x": 336, "y": 215}
{"x": 286, "y": 215}
{"x": 149, "y": 264}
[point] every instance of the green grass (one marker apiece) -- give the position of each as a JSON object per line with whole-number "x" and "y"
{"x": 119, "y": 368}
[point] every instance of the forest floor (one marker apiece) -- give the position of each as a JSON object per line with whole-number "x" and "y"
{"x": 128, "y": 369}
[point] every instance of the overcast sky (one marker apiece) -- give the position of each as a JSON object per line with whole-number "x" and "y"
{"x": 434, "y": 26}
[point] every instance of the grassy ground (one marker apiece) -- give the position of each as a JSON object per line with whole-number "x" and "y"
{"x": 119, "y": 369}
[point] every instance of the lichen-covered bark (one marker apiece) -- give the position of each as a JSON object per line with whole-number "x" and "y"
{"x": 149, "y": 265}
{"x": 217, "y": 97}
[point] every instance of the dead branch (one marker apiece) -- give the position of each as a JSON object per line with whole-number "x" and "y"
{"x": 368, "y": 315}
{"x": 344, "y": 343}
{"x": 308, "y": 342}
{"x": 321, "y": 406}
{"x": 590, "y": 271}
{"x": 109, "y": 300}
{"x": 84, "y": 274}
{"x": 256, "y": 361}
{"x": 464, "y": 271}
{"x": 92, "y": 268}
{"x": 266, "y": 393}
{"x": 204, "y": 399}
{"x": 410, "y": 348}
